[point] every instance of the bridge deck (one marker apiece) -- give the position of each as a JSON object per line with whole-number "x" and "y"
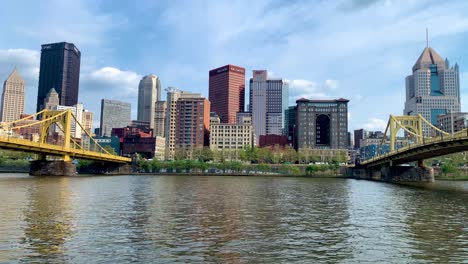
{"x": 430, "y": 148}
{"x": 49, "y": 149}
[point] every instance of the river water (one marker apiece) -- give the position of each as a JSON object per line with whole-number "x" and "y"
{"x": 180, "y": 219}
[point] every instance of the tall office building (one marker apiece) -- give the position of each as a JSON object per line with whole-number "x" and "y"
{"x": 322, "y": 124}
{"x": 12, "y": 97}
{"x": 227, "y": 92}
{"x": 160, "y": 118}
{"x": 149, "y": 92}
{"x": 359, "y": 134}
{"x": 59, "y": 69}
{"x": 433, "y": 89}
{"x": 114, "y": 114}
{"x": 87, "y": 121}
{"x": 173, "y": 95}
{"x": 290, "y": 117}
{"x": 268, "y": 103}
{"x": 192, "y": 124}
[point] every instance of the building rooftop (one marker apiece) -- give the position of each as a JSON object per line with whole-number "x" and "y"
{"x": 428, "y": 56}
{"x": 322, "y": 101}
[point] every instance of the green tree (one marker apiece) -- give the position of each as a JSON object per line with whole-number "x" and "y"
{"x": 448, "y": 168}
{"x": 144, "y": 165}
{"x": 204, "y": 154}
{"x": 311, "y": 169}
{"x": 180, "y": 154}
{"x": 289, "y": 155}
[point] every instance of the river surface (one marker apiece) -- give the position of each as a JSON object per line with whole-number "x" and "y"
{"x": 221, "y": 219}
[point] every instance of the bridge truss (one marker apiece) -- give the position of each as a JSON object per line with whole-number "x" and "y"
{"x": 67, "y": 148}
{"x": 423, "y": 139}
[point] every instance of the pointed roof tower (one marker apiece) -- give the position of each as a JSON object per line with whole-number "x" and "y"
{"x": 427, "y": 57}
{"x": 14, "y": 76}
{"x": 52, "y": 92}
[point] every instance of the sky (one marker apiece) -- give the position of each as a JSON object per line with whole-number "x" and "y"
{"x": 360, "y": 50}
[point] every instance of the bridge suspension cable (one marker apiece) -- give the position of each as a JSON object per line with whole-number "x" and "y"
{"x": 411, "y": 125}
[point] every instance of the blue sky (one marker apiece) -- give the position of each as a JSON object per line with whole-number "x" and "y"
{"x": 361, "y": 50}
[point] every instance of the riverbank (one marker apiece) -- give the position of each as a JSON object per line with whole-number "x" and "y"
{"x": 452, "y": 178}
{"x": 321, "y": 175}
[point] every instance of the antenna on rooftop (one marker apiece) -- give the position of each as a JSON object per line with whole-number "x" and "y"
{"x": 427, "y": 38}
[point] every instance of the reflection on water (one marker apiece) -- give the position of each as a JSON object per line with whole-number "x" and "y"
{"x": 47, "y": 218}
{"x": 230, "y": 220}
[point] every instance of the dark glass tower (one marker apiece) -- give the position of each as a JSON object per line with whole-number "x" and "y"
{"x": 60, "y": 69}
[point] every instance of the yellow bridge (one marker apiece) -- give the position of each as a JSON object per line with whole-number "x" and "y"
{"x": 69, "y": 147}
{"x": 422, "y": 141}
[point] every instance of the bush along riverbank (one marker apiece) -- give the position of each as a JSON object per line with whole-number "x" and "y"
{"x": 11, "y": 165}
{"x": 236, "y": 168}
{"x": 450, "y": 172}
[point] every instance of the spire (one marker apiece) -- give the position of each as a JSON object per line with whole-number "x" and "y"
{"x": 427, "y": 38}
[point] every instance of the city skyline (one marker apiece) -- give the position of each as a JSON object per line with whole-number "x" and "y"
{"x": 311, "y": 57}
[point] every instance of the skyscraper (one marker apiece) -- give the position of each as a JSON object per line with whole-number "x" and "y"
{"x": 433, "y": 88}
{"x": 322, "y": 124}
{"x": 149, "y": 92}
{"x": 192, "y": 123}
{"x": 160, "y": 118}
{"x": 59, "y": 69}
{"x": 12, "y": 97}
{"x": 114, "y": 114}
{"x": 87, "y": 121}
{"x": 227, "y": 92}
{"x": 268, "y": 103}
{"x": 173, "y": 95}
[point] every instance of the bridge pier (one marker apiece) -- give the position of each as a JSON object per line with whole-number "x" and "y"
{"x": 52, "y": 168}
{"x": 394, "y": 174}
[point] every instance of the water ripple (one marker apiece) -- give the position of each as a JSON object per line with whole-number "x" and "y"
{"x": 172, "y": 219}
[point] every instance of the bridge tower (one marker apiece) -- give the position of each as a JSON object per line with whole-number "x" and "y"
{"x": 63, "y": 167}
{"x": 410, "y": 124}
{"x": 64, "y": 119}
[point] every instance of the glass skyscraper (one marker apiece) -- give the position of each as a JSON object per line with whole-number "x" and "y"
{"x": 59, "y": 69}
{"x": 433, "y": 88}
{"x": 149, "y": 92}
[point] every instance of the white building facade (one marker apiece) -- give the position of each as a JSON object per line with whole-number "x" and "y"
{"x": 229, "y": 140}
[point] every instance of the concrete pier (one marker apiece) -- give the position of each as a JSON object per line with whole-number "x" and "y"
{"x": 52, "y": 168}
{"x": 394, "y": 174}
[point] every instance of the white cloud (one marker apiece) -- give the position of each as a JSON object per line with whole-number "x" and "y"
{"x": 114, "y": 81}
{"x": 309, "y": 89}
{"x": 331, "y": 84}
{"x": 109, "y": 83}
{"x": 26, "y": 61}
{"x": 375, "y": 124}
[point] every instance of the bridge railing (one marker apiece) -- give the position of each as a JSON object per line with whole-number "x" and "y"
{"x": 426, "y": 141}
{"x": 61, "y": 120}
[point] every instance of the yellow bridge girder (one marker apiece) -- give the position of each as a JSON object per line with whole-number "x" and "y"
{"x": 63, "y": 119}
{"x": 412, "y": 125}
